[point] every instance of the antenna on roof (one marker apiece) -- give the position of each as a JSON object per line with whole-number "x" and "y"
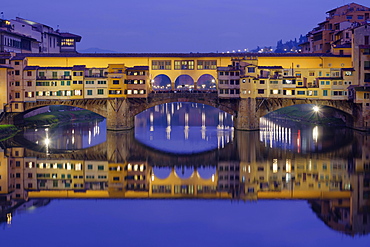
{"x": 2, "y": 15}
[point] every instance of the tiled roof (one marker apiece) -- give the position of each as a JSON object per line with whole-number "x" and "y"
{"x": 51, "y": 68}
{"x": 362, "y": 89}
{"x": 31, "y": 67}
{"x": 71, "y": 36}
{"x": 138, "y": 68}
{"x": 270, "y": 67}
{"x": 5, "y": 55}
{"x": 79, "y": 67}
{"x": 227, "y": 69}
{"x": 5, "y": 67}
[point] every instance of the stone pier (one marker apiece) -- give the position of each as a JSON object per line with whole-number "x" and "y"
{"x": 246, "y": 117}
{"x": 119, "y": 115}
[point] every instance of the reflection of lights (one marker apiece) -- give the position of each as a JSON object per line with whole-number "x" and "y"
{"x": 213, "y": 177}
{"x": 288, "y": 165}
{"x": 315, "y": 133}
{"x": 152, "y": 177}
{"x": 288, "y": 177}
{"x": 168, "y": 132}
{"x": 274, "y": 166}
{"x": 47, "y": 141}
{"x": 9, "y": 218}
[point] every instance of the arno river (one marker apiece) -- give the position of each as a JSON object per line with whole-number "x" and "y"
{"x": 184, "y": 177}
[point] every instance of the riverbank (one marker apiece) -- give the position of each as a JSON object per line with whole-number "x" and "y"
{"x": 7, "y": 131}
{"x": 50, "y": 120}
{"x": 56, "y": 118}
{"x": 325, "y": 116}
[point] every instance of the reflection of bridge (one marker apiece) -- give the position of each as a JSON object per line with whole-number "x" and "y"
{"x": 120, "y": 113}
{"x": 123, "y": 168}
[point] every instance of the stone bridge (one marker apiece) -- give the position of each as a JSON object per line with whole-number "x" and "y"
{"x": 120, "y": 112}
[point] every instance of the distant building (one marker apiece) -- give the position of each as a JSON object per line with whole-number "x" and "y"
{"x": 25, "y": 36}
{"x": 335, "y": 32}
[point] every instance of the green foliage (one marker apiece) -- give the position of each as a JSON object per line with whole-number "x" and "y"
{"x": 57, "y": 117}
{"x": 7, "y": 131}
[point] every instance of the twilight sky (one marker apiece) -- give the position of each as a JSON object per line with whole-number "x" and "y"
{"x": 176, "y": 26}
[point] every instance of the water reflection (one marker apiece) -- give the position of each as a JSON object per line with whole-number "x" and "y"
{"x": 330, "y": 168}
{"x": 184, "y": 128}
{"x": 69, "y": 136}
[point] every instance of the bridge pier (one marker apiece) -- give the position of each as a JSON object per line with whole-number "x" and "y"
{"x": 361, "y": 117}
{"x": 246, "y": 117}
{"x": 119, "y": 116}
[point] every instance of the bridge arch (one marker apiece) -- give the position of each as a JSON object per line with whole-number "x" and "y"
{"x": 184, "y": 82}
{"x": 161, "y": 82}
{"x": 325, "y": 109}
{"x": 207, "y": 98}
{"x": 31, "y": 106}
{"x": 206, "y": 82}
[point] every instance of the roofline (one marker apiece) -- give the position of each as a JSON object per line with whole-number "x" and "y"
{"x": 196, "y": 54}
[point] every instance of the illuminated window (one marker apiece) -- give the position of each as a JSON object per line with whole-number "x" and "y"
{"x": 115, "y": 91}
{"x": 206, "y": 64}
{"x": 187, "y": 64}
{"x": 68, "y": 42}
{"x": 161, "y": 64}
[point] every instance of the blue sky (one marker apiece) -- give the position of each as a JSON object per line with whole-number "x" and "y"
{"x": 176, "y": 26}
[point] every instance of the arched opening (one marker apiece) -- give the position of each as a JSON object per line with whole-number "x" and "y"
{"x": 184, "y": 82}
{"x": 77, "y": 128}
{"x": 207, "y": 172}
{"x": 161, "y": 82}
{"x": 316, "y": 114}
{"x": 161, "y": 172}
{"x": 184, "y": 172}
{"x": 305, "y": 128}
{"x": 184, "y": 127}
{"x": 206, "y": 82}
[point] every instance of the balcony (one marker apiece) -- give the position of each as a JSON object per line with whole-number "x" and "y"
{"x": 312, "y": 85}
{"x": 95, "y": 76}
{"x": 63, "y": 77}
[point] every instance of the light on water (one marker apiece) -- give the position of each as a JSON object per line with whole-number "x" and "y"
{"x": 184, "y": 128}
{"x": 317, "y": 176}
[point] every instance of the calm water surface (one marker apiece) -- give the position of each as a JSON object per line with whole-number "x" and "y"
{"x": 184, "y": 177}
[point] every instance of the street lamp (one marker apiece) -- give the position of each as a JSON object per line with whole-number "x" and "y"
{"x": 316, "y": 108}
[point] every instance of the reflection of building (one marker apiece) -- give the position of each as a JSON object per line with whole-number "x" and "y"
{"x": 336, "y": 185}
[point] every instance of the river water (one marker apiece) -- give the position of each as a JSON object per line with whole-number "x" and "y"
{"x": 185, "y": 177}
